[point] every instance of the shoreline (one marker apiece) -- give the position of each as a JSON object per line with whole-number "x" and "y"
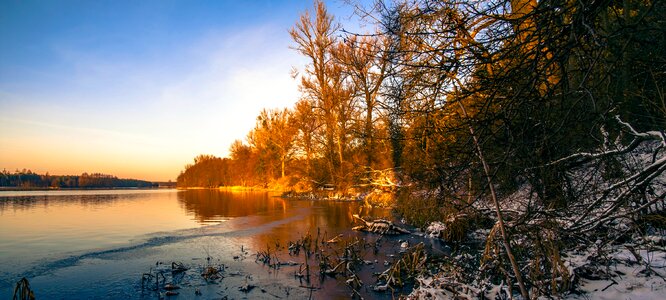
{"x": 286, "y": 193}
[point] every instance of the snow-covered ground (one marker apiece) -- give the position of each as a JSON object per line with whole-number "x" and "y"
{"x": 632, "y": 273}
{"x": 633, "y": 270}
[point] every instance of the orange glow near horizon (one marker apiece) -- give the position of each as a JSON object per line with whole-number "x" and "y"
{"x": 122, "y": 168}
{"x": 62, "y": 161}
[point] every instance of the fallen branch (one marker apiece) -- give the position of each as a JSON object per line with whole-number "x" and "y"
{"x": 380, "y": 226}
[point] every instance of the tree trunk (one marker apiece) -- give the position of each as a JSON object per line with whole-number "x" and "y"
{"x": 283, "y": 159}
{"x": 368, "y": 130}
{"x": 498, "y": 210}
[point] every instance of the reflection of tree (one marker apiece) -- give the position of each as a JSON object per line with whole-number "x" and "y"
{"x": 215, "y": 204}
{"x": 328, "y": 217}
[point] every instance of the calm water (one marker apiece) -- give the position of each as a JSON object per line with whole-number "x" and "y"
{"x": 97, "y": 244}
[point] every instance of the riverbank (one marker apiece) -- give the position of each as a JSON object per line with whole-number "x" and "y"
{"x": 290, "y": 193}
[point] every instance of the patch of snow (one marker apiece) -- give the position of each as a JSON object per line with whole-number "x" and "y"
{"x": 632, "y": 285}
{"x": 435, "y": 229}
{"x": 629, "y": 278}
{"x": 442, "y": 287}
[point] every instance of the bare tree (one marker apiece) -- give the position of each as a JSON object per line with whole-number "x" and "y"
{"x": 324, "y": 83}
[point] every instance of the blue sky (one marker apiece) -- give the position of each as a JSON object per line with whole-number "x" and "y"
{"x": 138, "y": 88}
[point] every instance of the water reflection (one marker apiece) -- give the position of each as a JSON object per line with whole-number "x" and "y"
{"x": 35, "y": 225}
{"x": 326, "y": 217}
{"x": 215, "y": 205}
{"x": 28, "y": 202}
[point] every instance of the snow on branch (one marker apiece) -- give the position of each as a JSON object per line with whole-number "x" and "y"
{"x": 632, "y": 184}
{"x": 613, "y": 200}
{"x": 639, "y": 137}
{"x": 648, "y": 135}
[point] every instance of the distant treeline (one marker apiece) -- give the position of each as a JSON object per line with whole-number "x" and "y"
{"x": 28, "y": 179}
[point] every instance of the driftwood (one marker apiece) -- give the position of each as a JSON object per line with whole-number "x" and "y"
{"x": 380, "y": 226}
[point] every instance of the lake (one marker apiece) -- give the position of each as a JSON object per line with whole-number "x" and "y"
{"x": 86, "y": 244}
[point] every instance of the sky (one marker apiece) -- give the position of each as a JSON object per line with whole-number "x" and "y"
{"x": 137, "y": 89}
